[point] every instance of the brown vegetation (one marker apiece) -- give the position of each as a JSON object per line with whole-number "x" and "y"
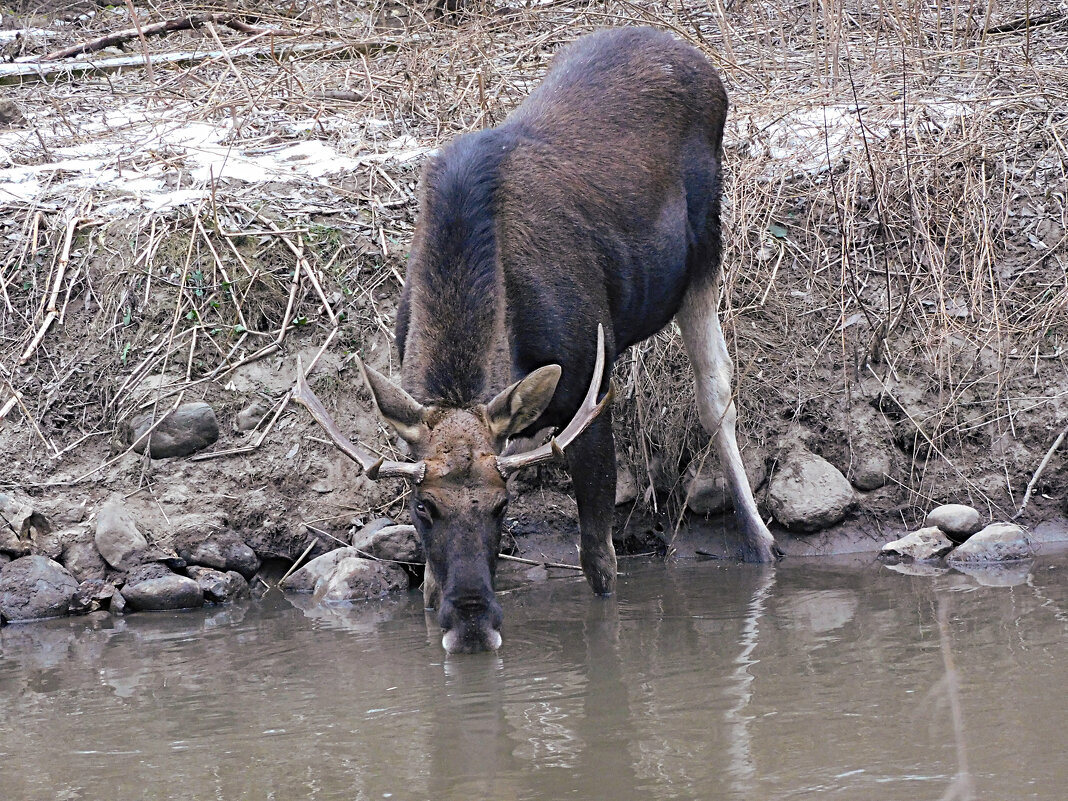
{"x": 895, "y": 223}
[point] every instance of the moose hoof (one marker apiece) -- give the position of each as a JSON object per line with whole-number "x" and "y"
{"x": 759, "y": 545}
{"x": 600, "y": 572}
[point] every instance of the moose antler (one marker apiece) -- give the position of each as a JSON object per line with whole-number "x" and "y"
{"x": 585, "y": 415}
{"x": 374, "y": 467}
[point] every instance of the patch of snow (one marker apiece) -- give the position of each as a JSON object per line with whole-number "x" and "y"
{"x": 10, "y": 36}
{"x": 138, "y": 155}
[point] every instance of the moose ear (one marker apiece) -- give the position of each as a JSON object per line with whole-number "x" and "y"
{"x": 395, "y": 406}
{"x": 523, "y": 402}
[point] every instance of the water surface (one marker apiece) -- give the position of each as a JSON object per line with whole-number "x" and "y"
{"x": 708, "y": 680}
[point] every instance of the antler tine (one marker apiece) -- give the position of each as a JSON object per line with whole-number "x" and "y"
{"x": 586, "y": 414}
{"x": 374, "y": 467}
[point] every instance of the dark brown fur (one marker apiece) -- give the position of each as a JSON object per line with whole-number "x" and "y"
{"x": 596, "y": 202}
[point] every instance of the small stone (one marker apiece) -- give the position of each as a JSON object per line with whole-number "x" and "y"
{"x": 305, "y": 578}
{"x": 250, "y": 417}
{"x": 925, "y": 544}
{"x": 83, "y": 560}
{"x": 957, "y": 520}
{"x": 117, "y": 538}
{"x": 218, "y": 586}
{"x": 807, "y": 493}
{"x": 872, "y": 464}
{"x": 870, "y": 457}
{"x": 118, "y": 604}
{"x": 92, "y": 594}
{"x": 394, "y": 543}
{"x": 21, "y": 525}
{"x": 707, "y": 492}
{"x": 35, "y": 587}
{"x": 356, "y": 579}
{"x": 10, "y": 115}
{"x": 998, "y": 542}
{"x": 165, "y": 592}
{"x": 223, "y": 550}
{"x": 189, "y": 428}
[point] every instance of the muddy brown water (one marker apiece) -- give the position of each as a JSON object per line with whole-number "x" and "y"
{"x": 701, "y": 680}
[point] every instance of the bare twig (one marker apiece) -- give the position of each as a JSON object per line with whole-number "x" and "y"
{"x": 191, "y": 22}
{"x": 1038, "y": 473}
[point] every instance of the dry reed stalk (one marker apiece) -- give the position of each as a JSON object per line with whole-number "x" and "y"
{"x": 898, "y": 231}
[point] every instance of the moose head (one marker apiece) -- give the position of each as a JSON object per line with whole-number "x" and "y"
{"x": 459, "y": 483}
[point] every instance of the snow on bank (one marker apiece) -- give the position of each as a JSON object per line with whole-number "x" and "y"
{"x": 140, "y": 157}
{"x": 137, "y": 159}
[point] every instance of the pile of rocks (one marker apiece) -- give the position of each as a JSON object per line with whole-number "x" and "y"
{"x": 373, "y": 565}
{"x": 111, "y": 565}
{"x": 955, "y": 533}
{"x": 114, "y": 567}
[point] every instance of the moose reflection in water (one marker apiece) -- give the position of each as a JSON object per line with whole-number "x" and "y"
{"x": 591, "y": 215}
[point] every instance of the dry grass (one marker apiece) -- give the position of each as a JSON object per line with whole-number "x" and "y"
{"x": 895, "y": 218}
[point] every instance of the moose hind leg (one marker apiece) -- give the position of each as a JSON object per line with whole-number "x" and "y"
{"x": 592, "y": 463}
{"x": 707, "y": 349}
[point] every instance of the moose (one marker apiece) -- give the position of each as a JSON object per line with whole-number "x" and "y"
{"x": 544, "y": 248}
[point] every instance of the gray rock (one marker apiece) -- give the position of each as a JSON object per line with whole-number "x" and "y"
{"x": 872, "y": 464}
{"x": 118, "y": 604}
{"x": 998, "y": 542}
{"x": 147, "y": 571}
{"x": 82, "y": 559}
{"x": 10, "y": 115}
{"x": 223, "y": 550}
{"x": 807, "y": 493}
{"x": 21, "y": 517}
{"x": 189, "y": 428}
{"x": 35, "y": 587}
{"x": 11, "y": 545}
{"x": 626, "y": 484}
{"x": 356, "y": 579}
{"x": 117, "y": 538}
{"x": 149, "y": 591}
{"x": 707, "y": 492}
{"x": 957, "y": 520}
{"x": 395, "y": 543}
{"x": 20, "y": 525}
{"x": 305, "y": 578}
{"x": 250, "y": 417}
{"x": 219, "y": 586}
{"x": 91, "y": 595}
{"x": 925, "y": 544}
{"x": 869, "y": 459}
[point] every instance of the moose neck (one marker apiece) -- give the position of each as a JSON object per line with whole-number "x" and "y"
{"x": 457, "y": 280}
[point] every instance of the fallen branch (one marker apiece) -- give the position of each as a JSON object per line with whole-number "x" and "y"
{"x": 40, "y": 70}
{"x": 534, "y": 563}
{"x": 1038, "y": 473}
{"x": 192, "y": 22}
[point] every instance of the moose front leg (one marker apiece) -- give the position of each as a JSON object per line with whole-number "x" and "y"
{"x": 707, "y": 349}
{"x": 592, "y": 461}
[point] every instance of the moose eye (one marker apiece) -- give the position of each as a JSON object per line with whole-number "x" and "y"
{"x": 425, "y": 511}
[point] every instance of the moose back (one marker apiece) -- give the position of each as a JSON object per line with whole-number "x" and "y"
{"x": 544, "y": 248}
